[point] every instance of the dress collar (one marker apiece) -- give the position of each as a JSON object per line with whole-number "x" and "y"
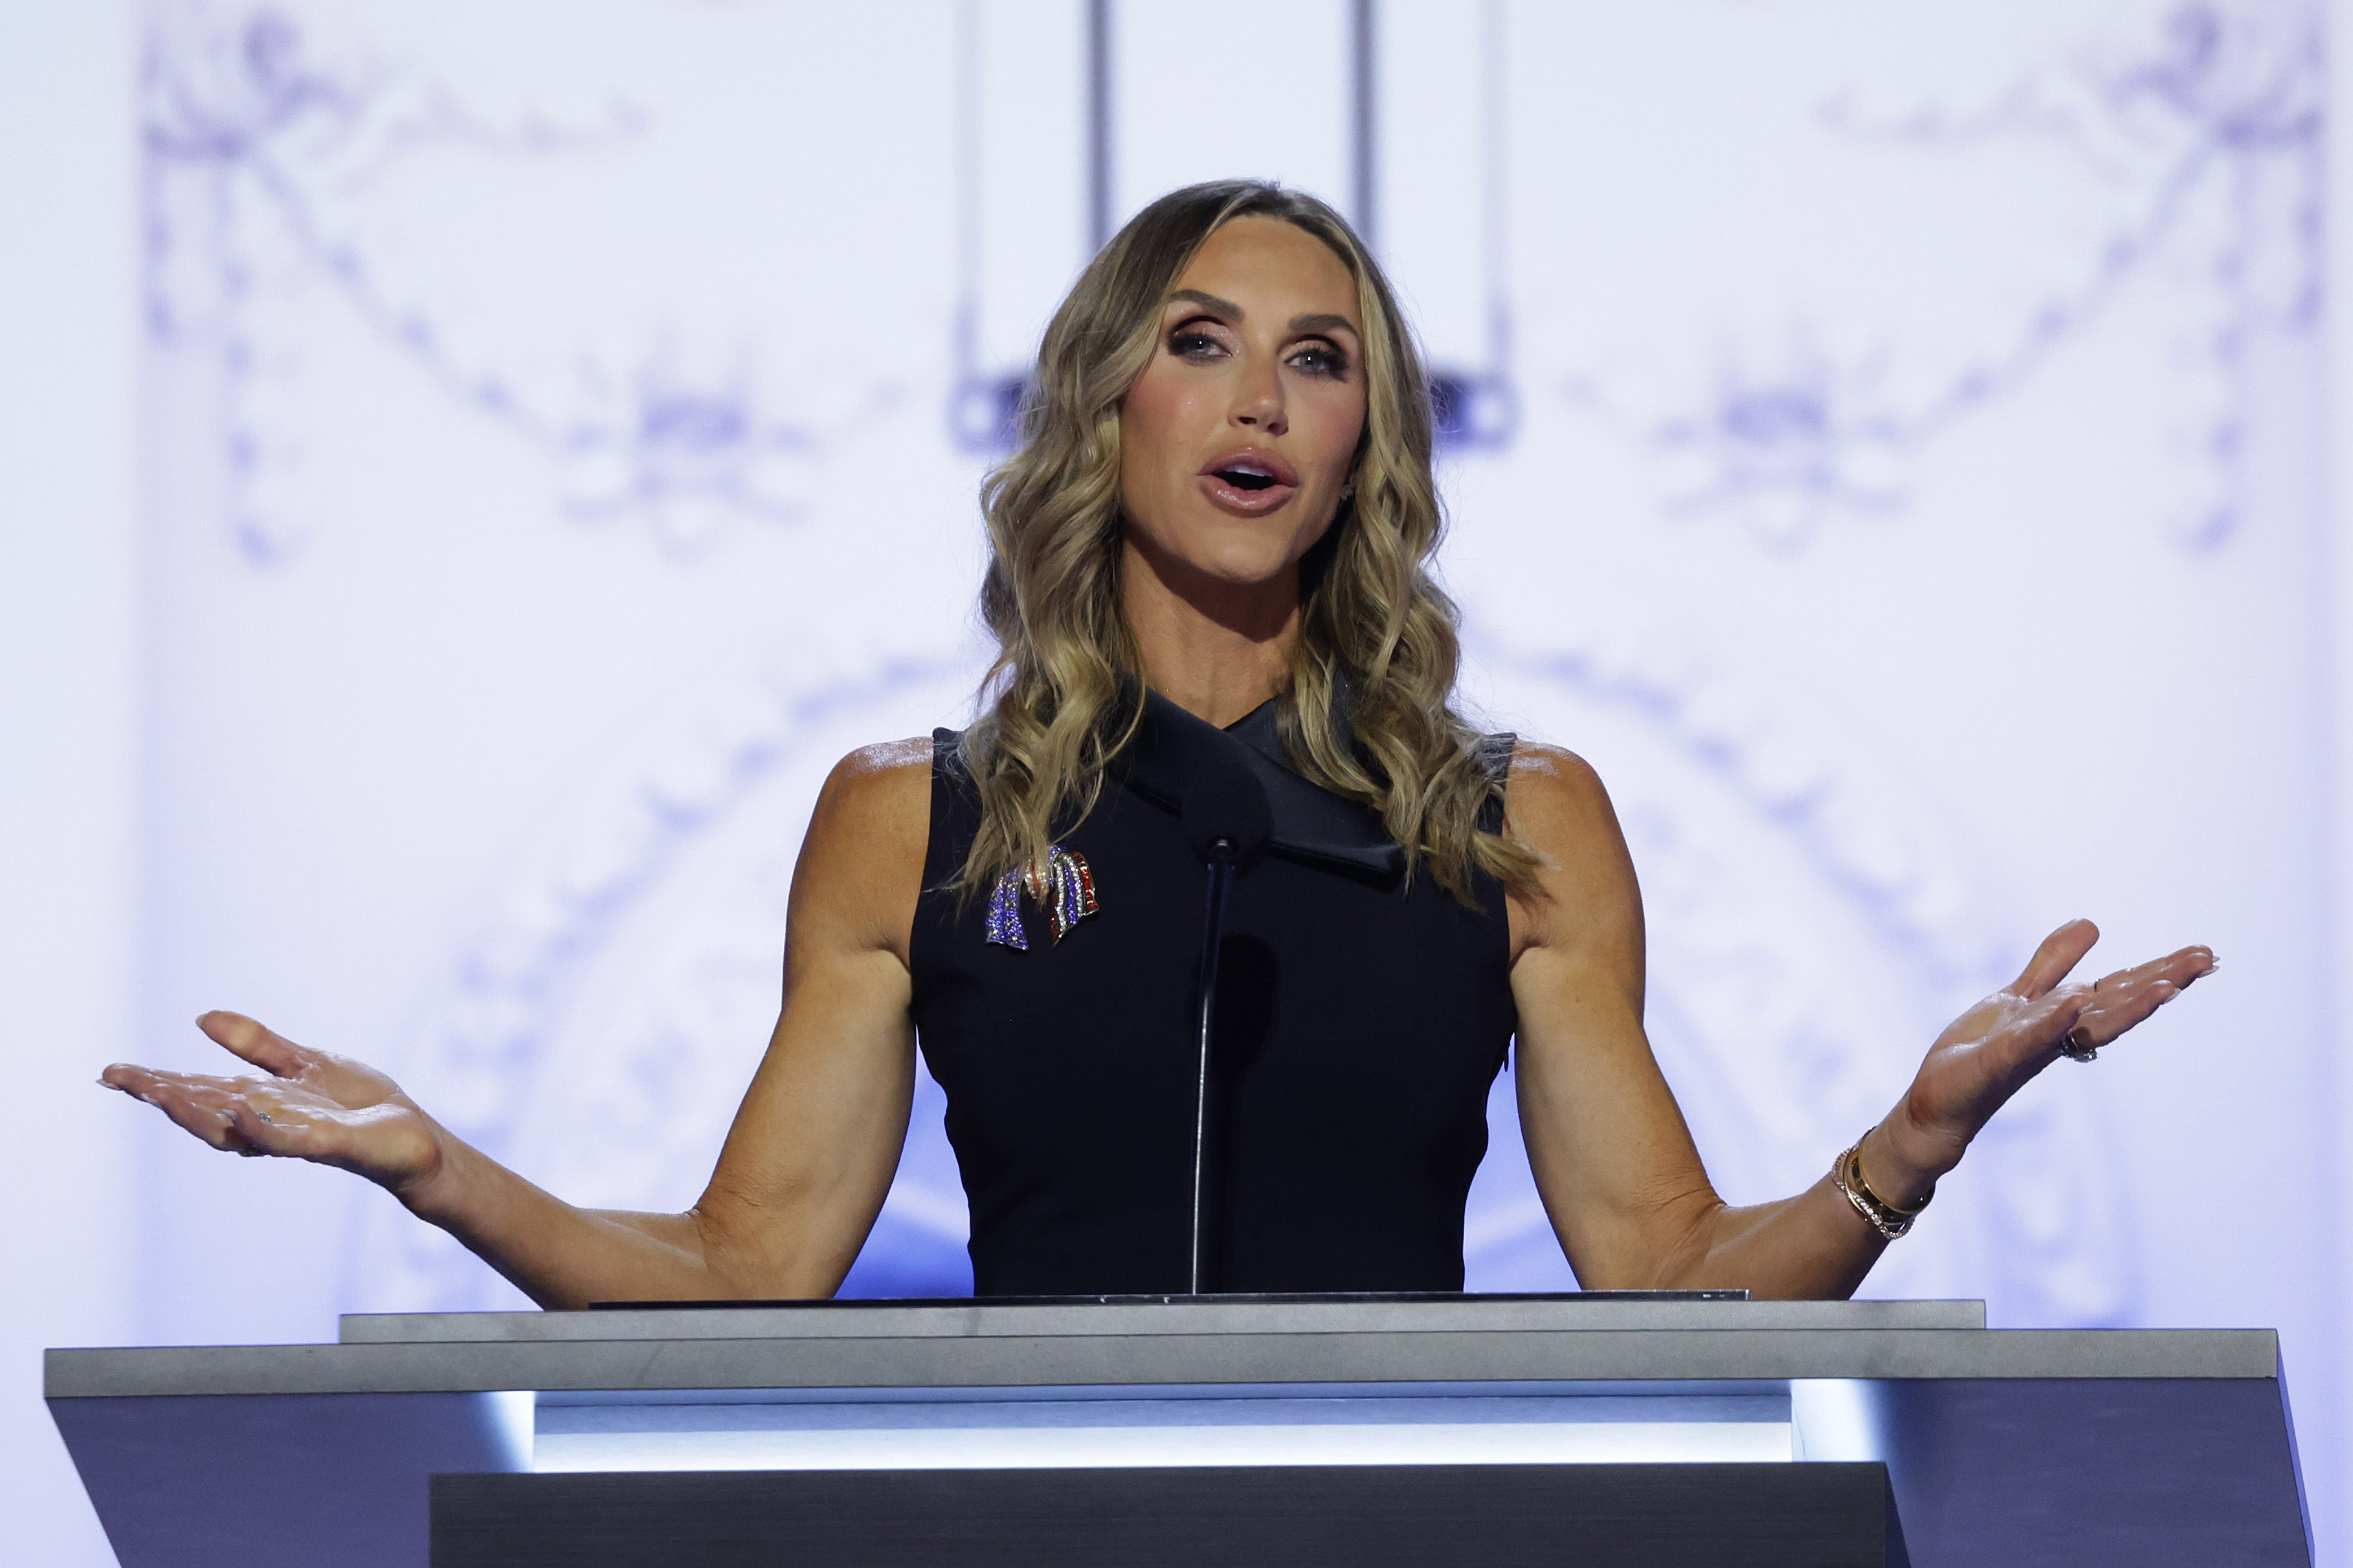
{"x": 1312, "y": 824}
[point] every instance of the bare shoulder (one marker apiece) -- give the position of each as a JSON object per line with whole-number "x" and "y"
{"x": 863, "y": 862}
{"x": 881, "y": 780}
{"x": 1551, "y": 792}
{"x": 1585, "y": 895}
{"x": 877, "y": 795}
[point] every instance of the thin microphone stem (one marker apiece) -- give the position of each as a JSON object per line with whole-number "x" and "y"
{"x": 1213, "y": 923}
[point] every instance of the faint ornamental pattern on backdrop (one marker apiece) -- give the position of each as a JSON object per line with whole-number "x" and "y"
{"x": 598, "y": 1029}
{"x": 268, "y": 139}
{"x": 1474, "y": 397}
{"x": 599, "y": 1025}
{"x": 2201, "y": 131}
{"x": 1813, "y": 924}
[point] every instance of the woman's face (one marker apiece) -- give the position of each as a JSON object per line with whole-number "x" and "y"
{"x": 1237, "y": 441}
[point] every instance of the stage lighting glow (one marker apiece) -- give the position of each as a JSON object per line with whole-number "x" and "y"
{"x": 1124, "y": 1432}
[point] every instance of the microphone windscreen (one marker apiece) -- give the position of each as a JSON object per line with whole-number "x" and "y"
{"x": 1224, "y": 800}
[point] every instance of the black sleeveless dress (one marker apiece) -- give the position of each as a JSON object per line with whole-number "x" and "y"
{"x": 1361, "y": 1024}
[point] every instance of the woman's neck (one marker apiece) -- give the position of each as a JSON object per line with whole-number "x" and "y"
{"x": 1217, "y": 649}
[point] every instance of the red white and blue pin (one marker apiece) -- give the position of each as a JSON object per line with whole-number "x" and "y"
{"x": 1059, "y": 879}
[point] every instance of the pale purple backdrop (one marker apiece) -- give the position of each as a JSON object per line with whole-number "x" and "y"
{"x": 471, "y": 471}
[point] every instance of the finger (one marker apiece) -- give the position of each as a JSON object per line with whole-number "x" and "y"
{"x": 147, "y": 1083}
{"x": 202, "y": 1111}
{"x": 2101, "y": 1025}
{"x": 128, "y": 1077}
{"x": 141, "y": 1081}
{"x": 240, "y": 1122}
{"x": 2177, "y": 968}
{"x": 247, "y": 1037}
{"x": 2190, "y": 964}
{"x": 2056, "y": 958}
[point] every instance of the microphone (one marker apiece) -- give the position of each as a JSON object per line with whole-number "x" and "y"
{"x": 1228, "y": 823}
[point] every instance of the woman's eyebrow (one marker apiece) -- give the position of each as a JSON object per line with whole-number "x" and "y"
{"x": 1209, "y": 302}
{"x": 1227, "y": 311}
{"x": 1325, "y": 324}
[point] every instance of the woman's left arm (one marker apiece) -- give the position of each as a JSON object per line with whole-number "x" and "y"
{"x": 1613, "y": 1160}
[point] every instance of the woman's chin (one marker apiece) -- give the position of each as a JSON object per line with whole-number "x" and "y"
{"x": 1230, "y": 564}
{"x": 1241, "y": 571}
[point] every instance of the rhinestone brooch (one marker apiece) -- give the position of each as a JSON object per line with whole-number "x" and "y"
{"x": 1059, "y": 879}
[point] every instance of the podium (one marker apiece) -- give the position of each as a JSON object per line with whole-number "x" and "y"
{"x": 1587, "y": 1430}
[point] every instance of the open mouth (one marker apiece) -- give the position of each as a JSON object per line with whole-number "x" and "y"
{"x": 1250, "y": 480}
{"x": 1243, "y": 477}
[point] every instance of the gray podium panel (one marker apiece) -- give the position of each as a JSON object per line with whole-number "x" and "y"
{"x": 2167, "y": 1473}
{"x": 269, "y": 1479}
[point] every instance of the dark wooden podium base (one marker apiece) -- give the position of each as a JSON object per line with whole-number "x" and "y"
{"x": 1371, "y": 1516}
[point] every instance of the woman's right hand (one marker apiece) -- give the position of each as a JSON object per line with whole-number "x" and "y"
{"x": 312, "y": 1106}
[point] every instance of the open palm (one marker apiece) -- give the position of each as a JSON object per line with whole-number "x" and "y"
{"x": 311, "y": 1105}
{"x": 1989, "y": 1052}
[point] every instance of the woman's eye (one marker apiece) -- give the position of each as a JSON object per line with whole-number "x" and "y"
{"x": 1322, "y": 359}
{"x": 1193, "y": 345}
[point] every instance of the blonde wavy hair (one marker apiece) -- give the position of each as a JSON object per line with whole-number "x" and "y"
{"x": 1369, "y": 713}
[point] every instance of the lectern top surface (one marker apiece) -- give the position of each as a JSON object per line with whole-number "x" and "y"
{"x": 1155, "y": 1316}
{"x": 973, "y": 1344}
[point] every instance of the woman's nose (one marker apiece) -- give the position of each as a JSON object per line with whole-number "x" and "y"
{"x": 1258, "y": 404}
{"x": 1262, "y": 410}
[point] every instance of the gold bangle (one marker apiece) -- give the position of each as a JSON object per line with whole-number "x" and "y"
{"x": 1891, "y": 1222}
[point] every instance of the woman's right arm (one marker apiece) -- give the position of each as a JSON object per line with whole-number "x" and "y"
{"x": 804, "y": 1168}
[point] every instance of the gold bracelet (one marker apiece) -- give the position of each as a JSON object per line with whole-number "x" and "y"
{"x": 1891, "y": 1222}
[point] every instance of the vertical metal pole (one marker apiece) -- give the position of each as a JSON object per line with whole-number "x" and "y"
{"x": 1099, "y": 128}
{"x": 1493, "y": 127}
{"x": 1363, "y": 127}
{"x": 1213, "y": 932}
{"x": 968, "y": 175}
{"x": 2332, "y": 1437}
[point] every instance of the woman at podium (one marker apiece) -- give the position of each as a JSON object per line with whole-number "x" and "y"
{"x": 1209, "y": 560}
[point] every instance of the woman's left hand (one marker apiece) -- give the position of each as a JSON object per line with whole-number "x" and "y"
{"x": 1991, "y": 1050}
